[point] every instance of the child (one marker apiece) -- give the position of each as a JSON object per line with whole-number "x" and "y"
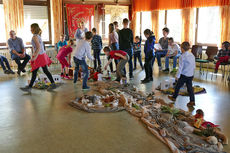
{"x": 39, "y": 59}
{"x": 82, "y": 50}
{"x": 8, "y": 70}
{"x": 164, "y": 45}
{"x": 62, "y": 42}
{"x": 149, "y": 55}
{"x": 97, "y": 76}
{"x": 223, "y": 55}
{"x": 185, "y": 73}
{"x": 96, "y": 46}
{"x": 137, "y": 52}
{"x": 61, "y": 56}
{"x": 123, "y": 58}
{"x": 173, "y": 52}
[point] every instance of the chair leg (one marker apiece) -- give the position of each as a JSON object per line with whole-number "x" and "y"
{"x": 223, "y": 72}
{"x": 207, "y": 70}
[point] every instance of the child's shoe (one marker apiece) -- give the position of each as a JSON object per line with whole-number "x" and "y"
{"x": 86, "y": 88}
{"x": 26, "y": 89}
{"x": 191, "y": 104}
{"x": 166, "y": 70}
{"x": 174, "y": 70}
{"x": 51, "y": 87}
{"x": 11, "y": 72}
{"x": 62, "y": 75}
{"x": 6, "y": 72}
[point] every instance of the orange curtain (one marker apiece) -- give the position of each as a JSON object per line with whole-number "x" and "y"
{"x": 133, "y": 23}
{"x": 155, "y": 23}
{"x": 187, "y": 25}
{"x": 225, "y": 19}
{"x": 14, "y": 16}
{"x": 57, "y": 20}
{"x": 149, "y": 5}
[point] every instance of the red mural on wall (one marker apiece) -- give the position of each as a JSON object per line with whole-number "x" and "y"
{"x": 77, "y": 13}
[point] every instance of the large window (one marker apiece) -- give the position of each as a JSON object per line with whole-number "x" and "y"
{"x": 174, "y": 23}
{"x": 2, "y": 25}
{"x": 208, "y": 25}
{"x": 161, "y": 22}
{"x": 36, "y": 14}
{"x": 143, "y": 22}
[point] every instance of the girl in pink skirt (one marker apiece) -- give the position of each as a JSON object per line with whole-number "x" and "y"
{"x": 61, "y": 56}
{"x": 39, "y": 59}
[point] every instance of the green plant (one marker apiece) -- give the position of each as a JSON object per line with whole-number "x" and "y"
{"x": 174, "y": 111}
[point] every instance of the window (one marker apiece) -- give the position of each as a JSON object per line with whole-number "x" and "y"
{"x": 208, "y": 25}
{"x": 174, "y": 23}
{"x": 138, "y": 23}
{"x": 36, "y": 14}
{"x": 161, "y": 22}
{"x": 145, "y": 19}
{"x": 2, "y": 25}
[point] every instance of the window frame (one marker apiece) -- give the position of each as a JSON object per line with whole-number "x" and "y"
{"x": 2, "y": 43}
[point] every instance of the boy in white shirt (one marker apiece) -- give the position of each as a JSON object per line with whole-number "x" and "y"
{"x": 173, "y": 52}
{"x": 82, "y": 50}
{"x": 185, "y": 73}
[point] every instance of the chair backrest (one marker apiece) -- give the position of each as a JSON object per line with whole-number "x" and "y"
{"x": 197, "y": 51}
{"x": 211, "y": 51}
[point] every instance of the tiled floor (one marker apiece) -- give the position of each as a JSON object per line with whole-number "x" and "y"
{"x": 44, "y": 122}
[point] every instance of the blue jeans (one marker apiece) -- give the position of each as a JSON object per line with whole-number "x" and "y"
{"x": 130, "y": 53}
{"x": 2, "y": 60}
{"x": 85, "y": 71}
{"x": 160, "y": 54}
{"x": 174, "y": 61}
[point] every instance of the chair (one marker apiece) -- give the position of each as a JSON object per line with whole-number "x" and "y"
{"x": 224, "y": 64}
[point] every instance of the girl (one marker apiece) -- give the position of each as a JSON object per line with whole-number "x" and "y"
{"x": 113, "y": 42}
{"x": 123, "y": 58}
{"x": 61, "y": 56}
{"x": 39, "y": 59}
{"x": 149, "y": 55}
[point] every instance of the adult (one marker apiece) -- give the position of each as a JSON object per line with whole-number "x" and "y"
{"x": 80, "y": 33}
{"x": 164, "y": 45}
{"x": 116, "y": 26}
{"x": 62, "y": 42}
{"x": 6, "y": 67}
{"x": 174, "y": 52}
{"x": 17, "y": 51}
{"x": 126, "y": 43}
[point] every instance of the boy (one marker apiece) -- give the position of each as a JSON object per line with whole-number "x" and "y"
{"x": 164, "y": 45}
{"x": 137, "y": 52}
{"x": 8, "y": 70}
{"x": 185, "y": 73}
{"x": 96, "y": 46}
{"x": 126, "y": 44}
{"x": 81, "y": 51}
{"x": 62, "y": 42}
{"x": 173, "y": 52}
{"x": 123, "y": 58}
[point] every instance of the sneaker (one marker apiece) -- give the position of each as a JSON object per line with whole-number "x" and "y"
{"x": 191, "y": 104}
{"x": 23, "y": 71}
{"x": 52, "y": 86}
{"x": 172, "y": 98}
{"x": 67, "y": 78}
{"x": 173, "y": 71}
{"x": 19, "y": 72}
{"x": 166, "y": 70}
{"x": 11, "y": 72}
{"x": 145, "y": 81}
{"x": 6, "y": 71}
{"x": 26, "y": 89}
{"x": 85, "y": 88}
{"x": 62, "y": 75}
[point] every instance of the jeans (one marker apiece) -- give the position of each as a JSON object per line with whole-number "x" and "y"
{"x": 96, "y": 54}
{"x": 34, "y": 75}
{"x": 21, "y": 66}
{"x": 174, "y": 61}
{"x": 130, "y": 53}
{"x": 120, "y": 67}
{"x": 188, "y": 80}
{"x": 148, "y": 66}
{"x": 85, "y": 71}
{"x": 2, "y": 60}
{"x": 160, "y": 54}
{"x": 137, "y": 55}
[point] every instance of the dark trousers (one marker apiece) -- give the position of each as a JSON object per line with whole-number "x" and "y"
{"x": 84, "y": 68}
{"x": 137, "y": 55}
{"x": 111, "y": 64}
{"x": 3, "y": 60}
{"x": 96, "y": 54}
{"x": 148, "y": 66}
{"x": 130, "y": 53}
{"x": 34, "y": 75}
{"x": 188, "y": 80}
{"x": 114, "y": 46}
{"x": 21, "y": 66}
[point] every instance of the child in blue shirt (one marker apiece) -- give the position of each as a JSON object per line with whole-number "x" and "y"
{"x": 137, "y": 52}
{"x": 96, "y": 46}
{"x": 149, "y": 55}
{"x": 62, "y": 42}
{"x": 185, "y": 73}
